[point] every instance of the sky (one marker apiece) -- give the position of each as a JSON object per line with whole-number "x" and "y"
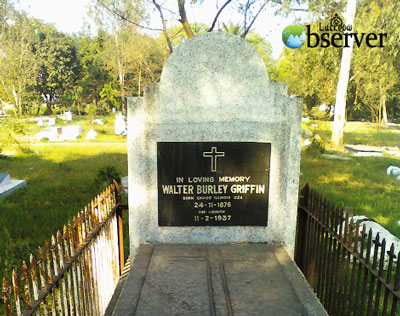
{"x": 70, "y": 16}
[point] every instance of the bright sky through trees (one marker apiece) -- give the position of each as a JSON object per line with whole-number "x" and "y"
{"x": 70, "y": 16}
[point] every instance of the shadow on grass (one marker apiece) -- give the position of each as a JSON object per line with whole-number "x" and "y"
{"x": 360, "y": 183}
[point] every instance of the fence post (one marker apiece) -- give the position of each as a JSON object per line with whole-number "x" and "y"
{"x": 302, "y": 227}
{"x": 120, "y": 227}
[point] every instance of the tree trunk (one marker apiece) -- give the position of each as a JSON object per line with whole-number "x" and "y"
{"x": 120, "y": 71}
{"x": 139, "y": 80}
{"x": 384, "y": 112}
{"x": 341, "y": 92}
{"x": 184, "y": 21}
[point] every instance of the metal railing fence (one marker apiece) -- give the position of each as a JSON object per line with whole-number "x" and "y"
{"x": 352, "y": 271}
{"x": 77, "y": 271}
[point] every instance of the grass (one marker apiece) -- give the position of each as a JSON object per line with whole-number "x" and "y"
{"x": 361, "y": 183}
{"x": 61, "y": 180}
{"x": 362, "y": 133}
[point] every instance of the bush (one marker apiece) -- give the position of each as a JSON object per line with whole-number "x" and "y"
{"x": 106, "y": 175}
{"x": 316, "y": 147}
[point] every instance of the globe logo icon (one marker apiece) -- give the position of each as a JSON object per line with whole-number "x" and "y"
{"x": 293, "y": 36}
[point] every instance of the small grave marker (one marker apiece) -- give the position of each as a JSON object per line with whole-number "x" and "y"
{"x": 8, "y": 186}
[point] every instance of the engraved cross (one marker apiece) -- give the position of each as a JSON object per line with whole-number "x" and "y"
{"x": 213, "y": 154}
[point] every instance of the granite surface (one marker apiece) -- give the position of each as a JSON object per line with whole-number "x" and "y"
{"x": 214, "y": 87}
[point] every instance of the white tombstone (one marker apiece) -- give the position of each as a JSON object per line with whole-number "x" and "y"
{"x": 52, "y": 121}
{"x": 98, "y": 121}
{"x": 70, "y": 132}
{"x": 92, "y": 134}
{"x": 51, "y": 133}
{"x": 67, "y": 116}
{"x": 8, "y": 186}
{"x": 219, "y": 100}
{"x": 40, "y": 122}
{"x": 120, "y": 125}
{"x": 393, "y": 170}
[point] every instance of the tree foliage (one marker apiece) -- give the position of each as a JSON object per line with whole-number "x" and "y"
{"x": 312, "y": 73}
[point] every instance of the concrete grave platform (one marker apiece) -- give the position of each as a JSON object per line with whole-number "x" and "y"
{"x": 240, "y": 279}
{"x": 8, "y": 186}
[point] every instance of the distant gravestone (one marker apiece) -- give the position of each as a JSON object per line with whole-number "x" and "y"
{"x": 8, "y": 186}
{"x": 92, "y": 134}
{"x": 51, "y": 133}
{"x": 51, "y": 121}
{"x": 214, "y": 150}
{"x": 70, "y": 132}
{"x": 67, "y": 116}
{"x": 120, "y": 125}
{"x": 98, "y": 121}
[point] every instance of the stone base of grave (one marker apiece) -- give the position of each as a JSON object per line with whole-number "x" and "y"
{"x": 13, "y": 185}
{"x": 252, "y": 279}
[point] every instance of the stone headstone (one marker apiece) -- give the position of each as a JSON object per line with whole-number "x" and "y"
{"x": 70, "y": 132}
{"x": 92, "y": 134}
{"x": 120, "y": 125}
{"x": 67, "y": 116}
{"x": 40, "y": 123}
{"x": 214, "y": 150}
{"x": 51, "y": 133}
{"x": 98, "y": 121}
{"x": 8, "y": 186}
{"x": 52, "y": 121}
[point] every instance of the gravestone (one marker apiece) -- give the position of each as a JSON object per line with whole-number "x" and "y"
{"x": 8, "y": 186}
{"x": 92, "y": 134}
{"x": 70, "y": 132}
{"x": 67, "y": 116}
{"x": 51, "y": 133}
{"x": 120, "y": 125}
{"x": 52, "y": 121}
{"x": 214, "y": 150}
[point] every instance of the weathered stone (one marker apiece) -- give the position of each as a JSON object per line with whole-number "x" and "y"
{"x": 214, "y": 88}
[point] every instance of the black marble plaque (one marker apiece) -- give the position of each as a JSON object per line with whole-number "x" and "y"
{"x": 213, "y": 183}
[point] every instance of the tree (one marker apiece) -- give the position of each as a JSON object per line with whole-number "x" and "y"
{"x": 57, "y": 61}
{"x": 18, "y": 64}
{"x": 310, "y": 73}
{"x": 341, "y": 92}
{"x": 115, "y": 16}
{"x": 93, "y": 76}
{"x": 376, "y": 69}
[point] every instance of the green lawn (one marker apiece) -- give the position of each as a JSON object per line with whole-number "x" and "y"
{"x": 361, "y": 183}
{"x": 359, "y": 133}
{"x": 61, "y": 181}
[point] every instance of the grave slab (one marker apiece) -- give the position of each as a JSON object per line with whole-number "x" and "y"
{"x": 216, "y": 280}
{"x": 8, "y": 186}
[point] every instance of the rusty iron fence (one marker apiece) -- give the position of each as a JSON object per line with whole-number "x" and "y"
{"x": 352, "y": 271}
{"x": 77, "y": 271}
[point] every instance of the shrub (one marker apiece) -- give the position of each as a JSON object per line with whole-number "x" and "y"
{"x": 106, "y": 175}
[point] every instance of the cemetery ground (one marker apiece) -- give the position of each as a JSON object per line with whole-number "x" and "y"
{"x": 61, "y": 181}
{"x": 360, "y": 184}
